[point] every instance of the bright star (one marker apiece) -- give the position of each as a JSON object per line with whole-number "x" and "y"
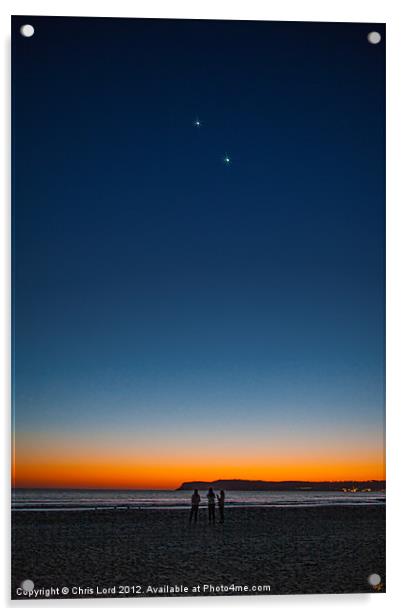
{"x": 197, "y": 122}
{"x": 226, "y": 159}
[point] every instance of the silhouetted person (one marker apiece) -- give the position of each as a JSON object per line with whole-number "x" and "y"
{"x": 195, "y": 501}
{"x": 221, "y": 505}
{"x": 211, "y": 505}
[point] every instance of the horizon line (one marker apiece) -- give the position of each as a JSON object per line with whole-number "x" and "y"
{"x": 94, "y": 487}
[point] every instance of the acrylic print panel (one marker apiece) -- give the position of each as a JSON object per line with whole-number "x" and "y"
{"x": 198, "y": 316}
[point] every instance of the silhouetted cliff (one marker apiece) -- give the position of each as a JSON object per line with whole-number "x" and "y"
{"x": 244, "y": 484}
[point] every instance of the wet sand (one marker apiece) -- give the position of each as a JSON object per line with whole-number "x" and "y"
{"x": 329, "y": 549}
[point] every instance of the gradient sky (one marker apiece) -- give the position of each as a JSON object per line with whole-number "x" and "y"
{"x": 176, "y": 318}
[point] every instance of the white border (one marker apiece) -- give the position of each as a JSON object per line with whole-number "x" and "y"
{"x": 285, "y": 10}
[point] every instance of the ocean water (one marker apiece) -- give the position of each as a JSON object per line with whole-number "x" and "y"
{"x": 24, "y": 499}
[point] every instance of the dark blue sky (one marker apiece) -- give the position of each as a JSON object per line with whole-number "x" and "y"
{"x": 153, "y": 284}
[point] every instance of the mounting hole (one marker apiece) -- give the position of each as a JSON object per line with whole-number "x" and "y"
{"x": 374, "y": 579}
{"x": 27, "y": 585}
{"x": 374, "y": 38}
{"x": 27, "y": 30}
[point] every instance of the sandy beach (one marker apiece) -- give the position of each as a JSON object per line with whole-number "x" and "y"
{"x": 290, "y": 550}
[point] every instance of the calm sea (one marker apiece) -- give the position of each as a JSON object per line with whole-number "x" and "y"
{"x": 23, "y": 499}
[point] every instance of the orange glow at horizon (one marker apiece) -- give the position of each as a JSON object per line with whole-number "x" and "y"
{"x": 52, "y": 466}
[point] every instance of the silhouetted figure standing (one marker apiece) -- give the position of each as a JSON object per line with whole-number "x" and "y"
{"x": 195, "y": 501}
{"x": 211, "y": 505}
{"x": 221, "y": 505}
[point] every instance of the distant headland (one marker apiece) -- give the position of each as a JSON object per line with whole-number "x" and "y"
{"x": 245, "y": 484}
